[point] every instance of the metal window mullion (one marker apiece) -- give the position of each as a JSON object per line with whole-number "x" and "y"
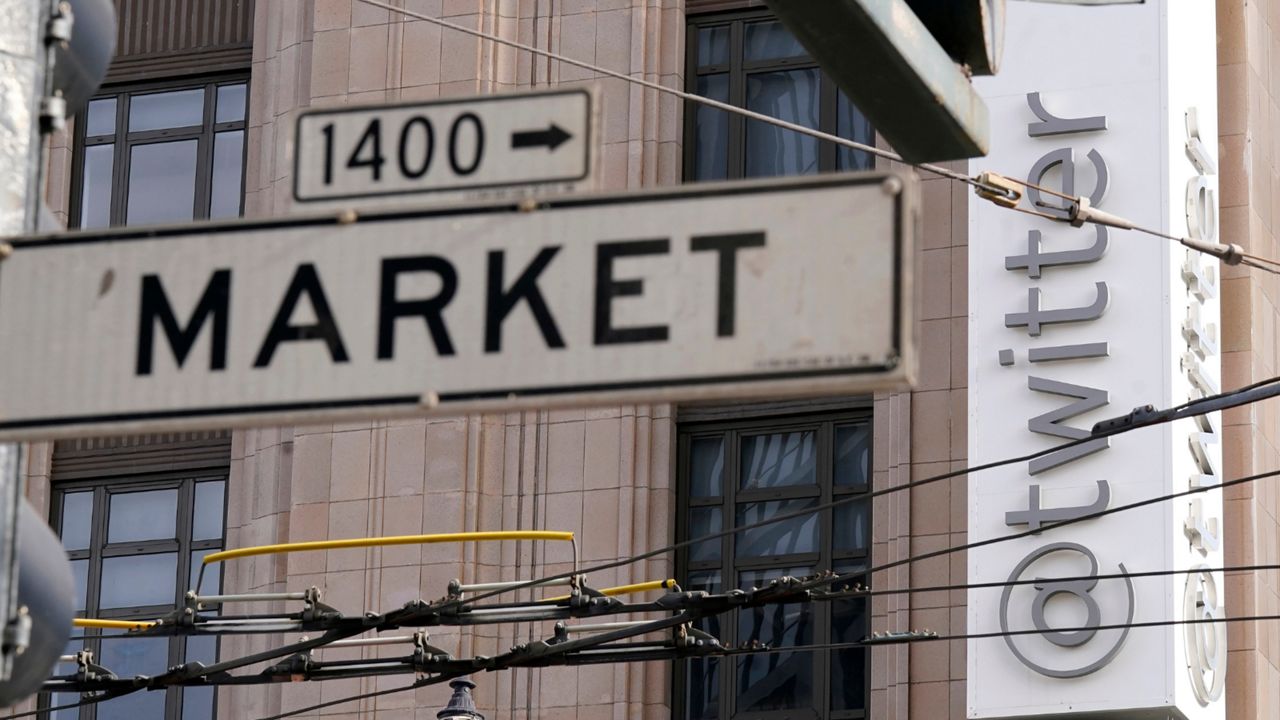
{"x": 778, "y": 562}
{"x": 688, "y": 144}
{"x": 141, "y": 547}
{"x": 828, "y": 122}
{"x": 93, "y": 587}
{"x": 228, "y": 126}
{"x": 795, "y": 62}
{"x": 781, "y": 493}
{"x": 120, "y": 163}
{"x": 76, "y": 191}
{"x": 206, "y": 544}
{"x": 186, "y": 521}
{"x": 147, "y": 137}
{"x": 135, "y": 612}
{"x": 737, "y": 160}
{"x": 204, "y": 156}
{"x": 679, "y": 684}
{"x": 825, "y": 447}
{"x": 729, "y": 486}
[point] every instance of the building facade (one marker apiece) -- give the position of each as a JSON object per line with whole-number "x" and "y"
{"x": 196, "y": 121}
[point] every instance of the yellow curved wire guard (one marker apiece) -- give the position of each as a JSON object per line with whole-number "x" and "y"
{"x": 111, "y": 624}
{"x": 625, "y": 589}
{"x": 390, "y": 540}
{"x": 639, "y": 587}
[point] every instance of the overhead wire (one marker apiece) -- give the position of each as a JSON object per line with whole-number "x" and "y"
{"x": 806, "y": 512}
{"x": 997, "y": 193}
{"x": 691, "y": 97}
{"x": 905, "y": 638}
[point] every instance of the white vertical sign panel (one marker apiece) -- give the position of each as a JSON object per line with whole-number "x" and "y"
{"x": 1070, "y": 326}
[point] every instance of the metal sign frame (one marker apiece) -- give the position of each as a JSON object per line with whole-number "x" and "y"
{"x": 589, "y": 139}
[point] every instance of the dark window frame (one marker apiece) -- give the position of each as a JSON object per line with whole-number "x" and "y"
{"x": 738, "y": 70}
{"x": 124, "y": 142}
{"x": 732, "y": 431}
{"x": 103, "y": 488}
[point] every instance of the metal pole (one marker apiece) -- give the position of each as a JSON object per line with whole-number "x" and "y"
{"x": 23, "y": 57}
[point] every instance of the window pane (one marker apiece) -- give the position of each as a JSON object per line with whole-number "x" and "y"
{"x": 707, "y": 581}
{"x": 769, "y": 40}
{"x": 77, "y": 520}
{"x": 230, "y": 106}
{"x": 703, "y": 674}
{"x": 791, "y": 95}
{"x": 228, "y": 157}
{"x": 145, "y": 656}
{"x": 80, "y": 574}
{"x": 95, "y": 189}
{"x": 775, "y": 681}
{"x": 174, "y": 109}
{"x": 778, "y": 460}
{"x": 853, "y": 455}
{"x": 713, "y": 45}
{"x": 59, "y": 699}
{"x": 197, "y": 702}
{"x": 65, "y": 698}
{"x": 706, "y": 467}
{"x": 207, "y": 523}
{"x": 798, "y": 535}
{"x": 138, "y": 580}
{"x": 704, "y": 521}
{"x": 703, "y": 694}
{"x": 711, "y": 141}
{"x": 853, "y": 125}
{"x": 848, "y": 667}
{"x": 851, "y": 527}
{"x": 212, "y": 575}
{"x": 162, "y": 182}
{"x": 101, "y": 117}
{"x": 150, "y": 515}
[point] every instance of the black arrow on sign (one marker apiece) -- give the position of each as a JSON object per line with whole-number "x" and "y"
{"x": 551, "y": 138}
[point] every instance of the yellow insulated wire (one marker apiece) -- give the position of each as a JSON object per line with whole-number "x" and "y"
{"x": 390, "y": 540}
{"x": 111, "y": 624}
{"x": 626, "y": 589}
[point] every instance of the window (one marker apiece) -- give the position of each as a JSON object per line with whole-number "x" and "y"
{"x": 136, "y": 547}
{"x": 157, "y": 154}
{"x": 745, "y": 471}
{"x": 750, "y": 60}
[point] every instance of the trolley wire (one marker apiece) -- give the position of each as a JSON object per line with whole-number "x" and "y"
{"x": 890, "y": 639}
{"x": 990, "y": 186}
{"x": 1151, "y": 418}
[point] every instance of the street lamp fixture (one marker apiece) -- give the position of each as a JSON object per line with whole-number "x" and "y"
{"x": 461, "y": 706}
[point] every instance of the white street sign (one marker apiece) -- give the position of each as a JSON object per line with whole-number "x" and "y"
{"x": 719, "y": 291}
{"x": 468, "y": 144}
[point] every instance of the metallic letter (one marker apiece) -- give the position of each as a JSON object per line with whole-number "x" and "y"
{"x": 1035, "y": 261}
{"x": 1066, "y": 158}
{"x": 1050, "y": 124}
{"x": 1040, "y": 625}
{"x": 1035, "y": 516}
{"x": 1034, "y": 317}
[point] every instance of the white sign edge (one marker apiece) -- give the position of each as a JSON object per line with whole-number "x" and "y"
{"x": 590, "y": 161}
{"x": 797, "y": 383}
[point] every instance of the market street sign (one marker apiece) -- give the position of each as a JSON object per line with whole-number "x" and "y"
{"x": 733, "y": 290}
{"x": 469, "y": 144}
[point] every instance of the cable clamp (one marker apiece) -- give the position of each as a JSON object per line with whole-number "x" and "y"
{"x": 998, "y": 189}
{"x": 1229, "y": 254}
{"x": 1082, "y": 211}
